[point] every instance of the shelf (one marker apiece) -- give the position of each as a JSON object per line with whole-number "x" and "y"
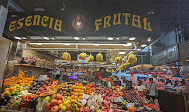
{"x": 28, "y": 65}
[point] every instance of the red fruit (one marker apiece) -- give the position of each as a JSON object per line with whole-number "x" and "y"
{"x": 41, "y": 89}
{"x": 60, "y": 102}
{"x": 55, "y": 109}
{"x": 58, "y": 96}
{"x": 44, "y": 86}
{"x": 54, "y": 102}
{"x": 48, "y": 79}
{"x": 48, "y": 106}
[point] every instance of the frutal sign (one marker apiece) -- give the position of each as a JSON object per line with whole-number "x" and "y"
{"x": 81, "y": 23}
{"x": 36, "y": 20}
{"x": 136, "y": 21}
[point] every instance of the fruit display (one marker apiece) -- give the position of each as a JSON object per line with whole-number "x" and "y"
{"x": 91, "y": 58}
{"x": 66, "y": 56}
{"x": 21, "y": 80}
{"x": 131, "y": 59}
{"x": 134, "y": 97}
{"x": 27, "y": 60}
{"x": 89, "y": 89}
{"x": 118, "y": 60}
{"x": 82, "y": 56}
{"x": 15, "y": 102}
{"x": 118, "y": 91}
{"x": 99, "y": 57}
{"x": 35, "y": 86}
{"x": 78, "y": 90}
{"x": 44, "y": 86}
{"x": 65, "y": 89}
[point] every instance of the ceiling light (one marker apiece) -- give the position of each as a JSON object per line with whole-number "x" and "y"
{"x": 62, "y": 9}
{"x": 24, "y": 38}
{"x": 117, "y": 38}
{"x": 17, "y": 38}
{"x": 138, "y": 49}
{"x": 52, "y": 38}
{"x": 121, "y": 52}
{"x": 67, "y": 44}
{"x": 96, "y": 44}
{"x": 186, "y": 60}
{"x": 39, "y": 44}
{"x": 83, "y": 38}
{"x": 132, "y": 38}
{"x": 46, "y": 38}
{"x": 56, "y": 43}
{"x": 143, "y": 45}
{"x": 76, "y": 38}
{"x": 149, "y": 39}
{"x": 110, "y": 38}
{"x": 128, "y": 44}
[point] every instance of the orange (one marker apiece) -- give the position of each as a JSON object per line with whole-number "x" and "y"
{"x": 80, "y": 97}
{"x": 72, "y": 93}
{"x": 6, "y": 89}
{"x": 80, "y": 94}
{"x": 76, "y": 94}
{"x": 76, "y": 84}
{"x": 76, "y": 97}
{"x": 131, "y": 109}
{"x": 73, "y": 97}
{"x": 7, "y": 92}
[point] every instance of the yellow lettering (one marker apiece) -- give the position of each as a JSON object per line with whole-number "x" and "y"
{"x": 147, "y": 24}
{"x": 51, "y": 21}
{"x": 12, "y": 26}
{"x": 98, "y": 23}
{"x": 20, "y": 23}
{"x": 44, "y": 19}
{"x": 118, "y": 20}
{"x": 36, "y": 19}
{"x": 136, "y": 18}
{"x": 107, "y": 22}
{"x": 127, "y": 16}
{"x": 58, "y": 23}
{"x": 28, "y": 21}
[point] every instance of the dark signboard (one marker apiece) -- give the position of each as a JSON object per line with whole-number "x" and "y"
{"x": 184, "y": 51}
{"x": 114, "y": 22}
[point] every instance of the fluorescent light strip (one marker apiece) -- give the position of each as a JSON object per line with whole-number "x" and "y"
{"x": 18, "y": 38}
{"x": 128, "y": 44}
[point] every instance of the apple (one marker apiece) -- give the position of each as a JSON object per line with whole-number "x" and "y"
{"x": 48, "y": 106}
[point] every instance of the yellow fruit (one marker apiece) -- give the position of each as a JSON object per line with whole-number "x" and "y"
{"x": 118, "y": 60}
{"x": 99, "y": 57}
{"x": 66, "y": 56}
{"x": 6, "y": 89}
{"x": 82, "y": 56}
{"x": 7, "y": 92}
{"x": 91, "y": 58}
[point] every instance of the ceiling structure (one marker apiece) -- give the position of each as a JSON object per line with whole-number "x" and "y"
{"x": 173, "y": 14}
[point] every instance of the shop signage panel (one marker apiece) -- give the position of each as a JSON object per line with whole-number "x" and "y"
{"x": 184, "y": 51}
{"x": 114, "y": 23}
{"x": 168, "y": 55}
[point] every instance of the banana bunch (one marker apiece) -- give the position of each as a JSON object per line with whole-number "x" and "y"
{"x": 75, "y": 106}
{"x": 82, "y": 56}
{"x": 66, "y": 56}
{"x": 99, "y": 57}
{"x": 91, "y": 58}
{"x": 131, "y": 59}
{"x": 118, "y": 60}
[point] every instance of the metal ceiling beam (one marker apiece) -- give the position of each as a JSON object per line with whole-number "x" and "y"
{"x": 15, "y": 6}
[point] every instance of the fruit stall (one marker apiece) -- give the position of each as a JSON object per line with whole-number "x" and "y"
{"x": 28, "y": 94}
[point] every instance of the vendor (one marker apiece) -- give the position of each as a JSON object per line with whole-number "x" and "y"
{"x": 98, "y": 76}
{"x": 140, "y": 88}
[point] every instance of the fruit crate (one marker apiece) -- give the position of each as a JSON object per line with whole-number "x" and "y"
{"x": 134, "y": 97}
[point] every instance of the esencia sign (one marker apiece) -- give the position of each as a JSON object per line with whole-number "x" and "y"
{"x": 36, "y": 20}
{"x": 125, "y": 19}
